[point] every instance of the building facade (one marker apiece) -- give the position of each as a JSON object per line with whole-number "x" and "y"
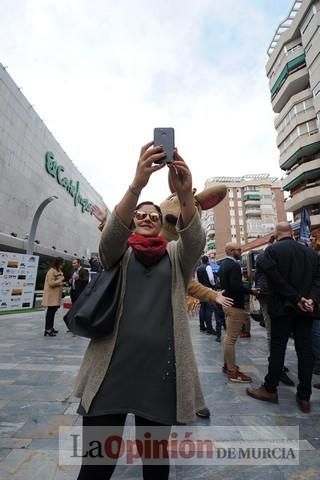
{"x": 293, "y": 70}
{"x": 34, "y": 167}
{"x": 252, "y": 207}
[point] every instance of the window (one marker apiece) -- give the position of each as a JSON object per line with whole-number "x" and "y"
{"x": 308, "y": 48}
{"x": 292, "y": 49}
{"x": 294, "y": 112}
{"x": 308, "y": 128}
{"x": 308, "y": 19}
{"x": 316, "y": 90}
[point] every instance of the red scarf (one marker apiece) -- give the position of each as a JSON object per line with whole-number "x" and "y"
{"x": 148, "y": 250}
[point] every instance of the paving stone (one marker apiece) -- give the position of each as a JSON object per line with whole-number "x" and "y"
{"x": 36, "y": 381}
{"x": 30, "y": 464}
{"x": 45, "y": 427}
{"x": 4, "y": 452}
{"x": 14, "y": 443}
{"x": 7, "y": 429}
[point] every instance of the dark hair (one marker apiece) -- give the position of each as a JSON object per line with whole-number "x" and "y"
{"x": 57, "y": 262}
{"x": 204, "y": 259}
{"x": 150, "y": 203}
{"x": 77, "y": 259}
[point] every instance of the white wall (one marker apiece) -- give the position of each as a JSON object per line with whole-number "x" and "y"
{"x": 25, "y": 183}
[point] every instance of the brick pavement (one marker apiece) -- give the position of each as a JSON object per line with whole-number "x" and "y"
{"x": 36, "y": 378}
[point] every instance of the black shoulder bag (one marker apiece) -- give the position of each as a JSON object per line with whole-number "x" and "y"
{"x": 94, "y": 312}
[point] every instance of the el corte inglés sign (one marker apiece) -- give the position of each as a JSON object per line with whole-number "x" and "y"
{"x": 72, "y": 187}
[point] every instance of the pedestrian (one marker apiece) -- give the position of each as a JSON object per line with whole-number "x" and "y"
{"x": 315, "y": 243}
{"x": 52, "y": 295}
{"x": 78, "y": 280}
{"x": 146, "y": 366}
{"x": 264, "y": 297}
{"x": 293, "y": 273}
{"x": 231, "y": 281}
{"x": 204, "y": 275}
{"x": 95, "y": 264}
{"x": 246, "y": 327}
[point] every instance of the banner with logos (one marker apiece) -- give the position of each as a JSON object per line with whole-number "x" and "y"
{"x": 18, "y": 275}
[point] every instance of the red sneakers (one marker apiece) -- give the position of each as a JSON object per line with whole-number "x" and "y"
{"x": 239, "y": 377}
{"x": 244, "y": 335}
{"x": 225, "y": 370}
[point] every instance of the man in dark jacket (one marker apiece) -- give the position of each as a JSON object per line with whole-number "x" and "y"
{"x": 293, "y": 273}
{"x": 231, "y": 282}
{"x": 261, "y": 282}
{"x": 79, "y": 279}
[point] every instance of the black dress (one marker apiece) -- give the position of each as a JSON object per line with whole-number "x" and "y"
{"x": 141, "y": 375}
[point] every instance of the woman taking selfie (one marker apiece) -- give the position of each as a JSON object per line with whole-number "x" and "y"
{"x": 147, "y": 366}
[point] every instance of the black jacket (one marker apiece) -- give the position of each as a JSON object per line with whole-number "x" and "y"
{"x": 261, "y": 279}
{"x": 231, "y": 281}
{"x": 81, "y": 283}
{"x": 293, "y": 271}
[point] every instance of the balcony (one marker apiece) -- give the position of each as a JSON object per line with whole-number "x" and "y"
{"x": 284, "y": 25}
{"x": 304, "y": 145}
{"x": 253, "y": 212}
{"x": 281, "y": 70}
{"x": 302, "y": 199}
{"x": 210, "y": 233}
{"x": 251, "y": 196}
{"x": 293, "y": 83}
{"x": 251, "y": 203}
{"x": 306, "y": 171}
{"x": 296, "y": 120}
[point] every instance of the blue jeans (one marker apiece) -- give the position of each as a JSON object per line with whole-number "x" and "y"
{"x": 205, "y": 316}
{"x": 316, "y": 342}
{"x": 219, "y": 315}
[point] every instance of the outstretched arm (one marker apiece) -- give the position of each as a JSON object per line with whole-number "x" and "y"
{"x": 205, "y": 294}
{"x": 180, "y": 179}
{"x": 145, "y": 168}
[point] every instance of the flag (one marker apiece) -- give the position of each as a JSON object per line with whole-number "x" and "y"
{"x": 305, "y": 227}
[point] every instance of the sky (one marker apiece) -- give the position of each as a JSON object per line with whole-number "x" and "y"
{"x": 103, "y": 73}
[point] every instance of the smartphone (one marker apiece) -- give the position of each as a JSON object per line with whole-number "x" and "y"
{"x": 165, "y": 137}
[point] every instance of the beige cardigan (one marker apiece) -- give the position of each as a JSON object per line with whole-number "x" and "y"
{"x": 52, "y": 291}
{"x": 184, "y": 255}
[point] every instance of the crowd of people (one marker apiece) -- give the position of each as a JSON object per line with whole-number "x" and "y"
{"x": 287, "y": 284}
{"x": 147, "y": 366}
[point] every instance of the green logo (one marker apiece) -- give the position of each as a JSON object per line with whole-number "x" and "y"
{"x": 73, "y": 188}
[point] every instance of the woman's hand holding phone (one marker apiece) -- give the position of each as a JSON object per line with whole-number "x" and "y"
{"x": 147, "y": 165}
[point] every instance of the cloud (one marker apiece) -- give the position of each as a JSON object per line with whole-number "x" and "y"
{"x": 103, "y": 74}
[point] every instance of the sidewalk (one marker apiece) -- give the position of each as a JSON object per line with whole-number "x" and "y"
{"x": 36, "y": 381}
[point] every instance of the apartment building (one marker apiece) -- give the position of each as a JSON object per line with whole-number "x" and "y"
{"x": 293, "y": 70}
{"x": 250, "y": 210}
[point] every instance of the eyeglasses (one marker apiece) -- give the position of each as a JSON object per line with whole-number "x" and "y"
{"x": 141, "y": 215}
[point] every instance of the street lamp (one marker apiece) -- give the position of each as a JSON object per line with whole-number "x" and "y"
{"x": 35, "y": 221}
